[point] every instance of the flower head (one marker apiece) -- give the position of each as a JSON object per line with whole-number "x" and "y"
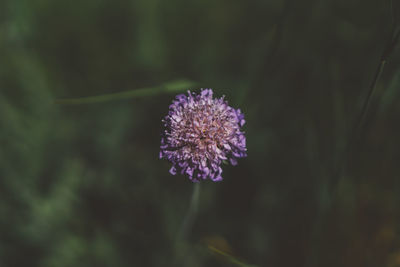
{"x": 201, "y": 132}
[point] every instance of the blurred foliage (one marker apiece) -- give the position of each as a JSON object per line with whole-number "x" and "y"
{"x": 82, "y": 185}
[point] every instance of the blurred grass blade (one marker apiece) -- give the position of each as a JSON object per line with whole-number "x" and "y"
{"x": 230, "y": 257}
{"x": 166, "y": 88}
{"x": 390, "y": 95}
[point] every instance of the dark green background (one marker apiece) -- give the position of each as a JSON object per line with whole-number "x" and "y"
{"x": 82, "y": 185}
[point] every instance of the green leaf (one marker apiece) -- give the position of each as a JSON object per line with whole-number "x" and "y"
{"x": 166, "y": 88}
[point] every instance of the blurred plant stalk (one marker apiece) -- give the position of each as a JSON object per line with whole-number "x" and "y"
{"x": 191, "y": 214}
{"x": 360, "y": 122}
{"x": 166, "y": 88}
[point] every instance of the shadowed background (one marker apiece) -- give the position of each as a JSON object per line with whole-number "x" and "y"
{"x": 82, "y": 185}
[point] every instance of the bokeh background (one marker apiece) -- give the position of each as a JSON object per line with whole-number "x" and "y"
{"x": 82, "y": 185}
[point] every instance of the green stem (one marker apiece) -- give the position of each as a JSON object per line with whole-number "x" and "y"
{"x": 170, "y": 87}
{"x": 191, "y": 213}
{"x": 360, "y": 121}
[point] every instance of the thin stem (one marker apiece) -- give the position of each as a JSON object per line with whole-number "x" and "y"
{"x": 358, "y": 124}
{"x": 361, "y": 119}
{"x": 182, "y": 249}
{"x": 191, "y": 213}
{"x": 169, "y": 87}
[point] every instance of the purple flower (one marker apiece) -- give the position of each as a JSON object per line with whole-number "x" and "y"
{"x": 201, "y": 132}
